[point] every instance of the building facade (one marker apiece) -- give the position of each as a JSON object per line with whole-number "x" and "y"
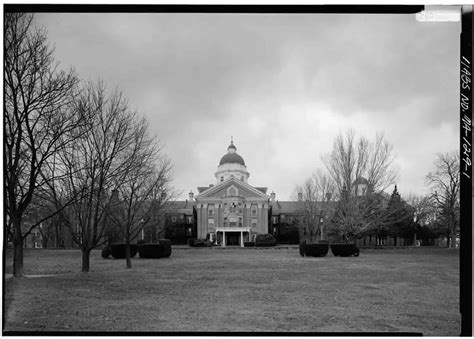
{"x": 231, "y": 211}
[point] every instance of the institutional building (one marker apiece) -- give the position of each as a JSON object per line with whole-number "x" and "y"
{"x": 231, "y": 211}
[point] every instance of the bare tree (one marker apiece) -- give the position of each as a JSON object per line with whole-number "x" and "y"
{"x": 36, "y": 120}
{"x": 361, "y": 170}
{"x": 351, "y": 159}
{"x": 445, "y": 183}
{"x": 91, "y": 168}
{"x": 142, "y": 189}
{"x": 316, "y": 193}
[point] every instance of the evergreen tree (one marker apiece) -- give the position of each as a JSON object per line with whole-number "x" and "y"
{"x": 401, "y": 214}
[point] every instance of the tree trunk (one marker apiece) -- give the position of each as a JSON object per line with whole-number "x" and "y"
{"x": 85, "y": 260}
{"x": 17, "y": 249}
{"x": 452, "y": 242}
{"x": 453, "y": 238}
{"x": 18, "y": 258}
{"x": 44, "y": 242}
{"x": 128, "y": 255}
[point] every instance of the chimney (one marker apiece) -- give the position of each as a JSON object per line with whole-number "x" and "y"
{"x": 328, "y": 196}
{"x": 272, "y": 195}
{"x": 300, "y": 196}
{"x": 191, "y": 195}
{"x": 115, "y": 195}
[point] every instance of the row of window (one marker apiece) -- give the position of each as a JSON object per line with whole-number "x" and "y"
{"x": 189, "y": 219}
{"x": 232, "y": 176}
{"x": 231, "y": 208}
{"x": 233, "y": 222}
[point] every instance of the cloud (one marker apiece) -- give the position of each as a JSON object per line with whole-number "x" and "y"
{"x": 282, "y": 85}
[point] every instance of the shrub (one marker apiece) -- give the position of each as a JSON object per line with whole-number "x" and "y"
{"x": 106, "y": 252}
{"x": 160, "y": 250}
{"x": 288, "y": 234}
{"x": 199, "y": 243}
{"x": 118, "y": 250}
{"x": 249, "y": 244}
{"x": 265, "y": 240}
{"x": 316, "y": 250}
{"x": 302, "y": 248}
{"x": 345, "y": 250}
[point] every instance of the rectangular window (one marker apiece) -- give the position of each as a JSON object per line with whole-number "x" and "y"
{"x": 254, "y": 210}
{"x": 210, "y": 211}
{"x": 254, "y": 223}
{"x": 275, "y": 220}
{"x": 189, "y": 219}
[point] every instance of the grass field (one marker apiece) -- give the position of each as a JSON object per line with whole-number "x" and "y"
{"x": 257, "y": 290}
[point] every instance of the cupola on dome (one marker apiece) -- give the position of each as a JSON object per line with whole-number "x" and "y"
{"x": 232, "y": 157}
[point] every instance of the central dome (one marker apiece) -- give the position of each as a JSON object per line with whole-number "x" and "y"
{"x": 231, "y": 165}
{"x": 232, "y": 158}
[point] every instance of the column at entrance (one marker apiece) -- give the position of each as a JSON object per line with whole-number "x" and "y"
{"x": 223, "y": 238}
{"x": 241, "y": 238}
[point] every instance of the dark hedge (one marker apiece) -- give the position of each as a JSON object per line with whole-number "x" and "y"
{"x": 199, "y": 243}
{"x": 316, "y": 250}
{"x": 265, "y": 240}
{"x": 106, "y": 252}
{"x": 154, "y": 251}
{"x": 302, "y": 248}
{"x": 249, "y": 244}
{"x": 345, "y": 250}
{"x": 288, "y": 234}
{"x": 118, "y": 250}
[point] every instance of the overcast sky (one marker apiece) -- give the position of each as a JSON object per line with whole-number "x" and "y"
{"x": 282, "y": 85}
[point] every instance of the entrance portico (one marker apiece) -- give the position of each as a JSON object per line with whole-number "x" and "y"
{"x": 227, "y": 232}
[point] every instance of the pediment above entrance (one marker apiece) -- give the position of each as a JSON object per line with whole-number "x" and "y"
{"x": 232, "y": 187}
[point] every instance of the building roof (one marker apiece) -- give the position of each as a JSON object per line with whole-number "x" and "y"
{"x": 361, "y": 180}
{"x": 203, "y": 188}
{"x": 232, "y": 158}
{"x": 185, "y": 207}
{"x": 286, "y": 207}
{"x": 297, "y": 207}
{"x": 262, "y": 189}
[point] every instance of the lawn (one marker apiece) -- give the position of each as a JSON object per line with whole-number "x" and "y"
{"x": 258, "y": 290}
